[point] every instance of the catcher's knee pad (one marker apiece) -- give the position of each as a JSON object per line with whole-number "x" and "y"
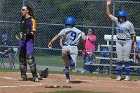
{"x": 30, "y": 60}
{"x": 119, "y": 65}
{"x": 44, "y": 73}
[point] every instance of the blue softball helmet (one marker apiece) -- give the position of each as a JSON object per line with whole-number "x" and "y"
{"x": 70, "y": 21}
{"x": 122, "y": 13}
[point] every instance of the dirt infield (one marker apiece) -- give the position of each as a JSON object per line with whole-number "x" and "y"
{"x": 9, "y": 84}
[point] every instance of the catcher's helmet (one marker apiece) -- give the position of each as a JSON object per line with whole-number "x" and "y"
{"x": 70, "y": 21}
{"x": 122, "y": 13}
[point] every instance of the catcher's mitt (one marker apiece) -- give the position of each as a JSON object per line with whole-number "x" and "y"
{"x": 44, "y": 73}
{"x": 19, "y": 36}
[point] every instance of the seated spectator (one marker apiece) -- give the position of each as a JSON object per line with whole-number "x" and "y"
{"x": 6, "y": 51}
{"x": 138, "y": 53}
{"x": 87, "y": 51}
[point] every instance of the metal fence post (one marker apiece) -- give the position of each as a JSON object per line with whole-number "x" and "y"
{"x": 112, "y": 39}
{"x": 23, "y": 2}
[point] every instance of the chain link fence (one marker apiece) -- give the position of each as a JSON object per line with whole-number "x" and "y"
{"x": 50, "y": 16}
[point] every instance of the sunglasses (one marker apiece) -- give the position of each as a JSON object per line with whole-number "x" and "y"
{"x": 23, "y": 9}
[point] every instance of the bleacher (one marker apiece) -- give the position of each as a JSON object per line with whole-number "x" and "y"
{"x": 108, "y": 39}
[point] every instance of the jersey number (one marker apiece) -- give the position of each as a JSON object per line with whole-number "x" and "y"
{"x": 120, "y": 29}
{"x": 73, "y": 36}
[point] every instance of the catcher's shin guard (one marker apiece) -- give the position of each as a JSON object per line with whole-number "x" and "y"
{"x": 23, "y": 66}
{"x": 32, "y": 66}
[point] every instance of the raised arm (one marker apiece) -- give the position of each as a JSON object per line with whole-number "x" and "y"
{"x": 111, "y": 17}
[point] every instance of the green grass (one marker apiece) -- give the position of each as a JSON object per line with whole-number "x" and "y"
{"x": 73, "y": 91}
{"x": 51, "y": 60}
{"x": 55, "y": 60}
{"x": 8, "y": 70}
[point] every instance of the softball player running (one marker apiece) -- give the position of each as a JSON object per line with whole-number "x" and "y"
{"x": 71, "y": 37}
{"x": 125, "y": 30}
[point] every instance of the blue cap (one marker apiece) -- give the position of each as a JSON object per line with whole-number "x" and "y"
{"x": 4, "y": 36}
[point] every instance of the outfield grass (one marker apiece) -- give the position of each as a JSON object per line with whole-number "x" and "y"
{"x": 51, "y": 60}
{"x": 73, "y": 91}
{"x": 8, "y": 70}
{"x": 55, "y": 60}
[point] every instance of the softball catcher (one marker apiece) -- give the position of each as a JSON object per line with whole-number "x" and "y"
{"x": 72, "y": 36}
{"x": 26, "y": 43}
{"x": 125, "y": 32}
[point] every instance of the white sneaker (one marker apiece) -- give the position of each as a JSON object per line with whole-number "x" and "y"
{"x": 127, "y": 78}
{"x": 68, "y": 81}
{"x": 76, "y": 70}
{"x": 118, "y": 78}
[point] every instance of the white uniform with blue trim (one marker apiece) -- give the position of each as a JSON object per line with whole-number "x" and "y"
{"x": 72, "y": 36}
{"x": 124, "y": 40}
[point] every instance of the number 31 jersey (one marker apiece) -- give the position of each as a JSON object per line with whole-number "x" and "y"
{"x": 124, "y": 30}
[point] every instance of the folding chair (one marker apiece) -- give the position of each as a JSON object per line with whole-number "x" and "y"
{"x": 1, "y": 60}
{"x": 14, "y": 54}
{"x": 5, "y": 55}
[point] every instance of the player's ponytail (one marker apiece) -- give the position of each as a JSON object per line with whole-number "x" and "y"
{"x": 31, "y": 13}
